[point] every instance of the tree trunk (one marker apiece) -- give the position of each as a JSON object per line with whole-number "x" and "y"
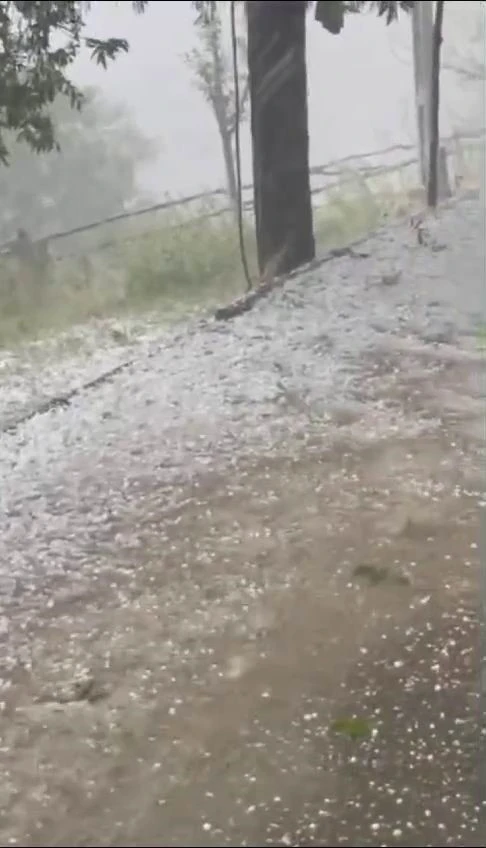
{"x": 422, "y": 33}
{"x": 280, "y": 140}
{"x": 432, "y": 184}
{"x": 444, "y": 190}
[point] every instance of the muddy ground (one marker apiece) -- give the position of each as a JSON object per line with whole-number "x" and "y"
{"x": 204, "y": 707}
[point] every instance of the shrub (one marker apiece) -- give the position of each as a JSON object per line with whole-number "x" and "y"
{"x": 187, "y": 260}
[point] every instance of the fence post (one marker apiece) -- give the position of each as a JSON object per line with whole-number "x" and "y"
{"x": 443, "y": 181}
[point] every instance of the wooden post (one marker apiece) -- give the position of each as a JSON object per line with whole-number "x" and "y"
{"x": 422, "y": 32}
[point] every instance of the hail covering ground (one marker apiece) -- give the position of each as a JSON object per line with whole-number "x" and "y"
{"x": 211, "y": 390}
{"x": 83, "y": 485}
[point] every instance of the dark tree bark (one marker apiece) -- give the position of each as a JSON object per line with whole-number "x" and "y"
{"x": 433, "y": 177}
{"x": 280, "y": 139}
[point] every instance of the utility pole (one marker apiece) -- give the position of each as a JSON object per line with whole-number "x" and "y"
{"x": 422, "y": 36}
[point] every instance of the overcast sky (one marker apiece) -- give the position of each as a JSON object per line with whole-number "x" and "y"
{"x": 360, "y": 90}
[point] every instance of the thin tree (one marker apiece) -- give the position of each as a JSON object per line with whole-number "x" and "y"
{"x": 214, "y": 78}
{"x": 433, "y": 180}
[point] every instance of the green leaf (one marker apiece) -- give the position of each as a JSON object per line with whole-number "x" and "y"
{"x": 352, "y": 728}
{"x": 104, "y": 51}
{"x": 33, "y": 73}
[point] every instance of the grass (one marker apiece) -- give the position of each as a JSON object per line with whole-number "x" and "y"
{"x": 482, "y": 338}
{"x": 172, "y": 271}
{"x": 182, "y": 266}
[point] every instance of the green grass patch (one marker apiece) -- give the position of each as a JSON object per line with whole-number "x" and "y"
{"x": 354, "y": 728}
{"x": 481, "y": 338}
{"x": 172, "y": 271}
{"x": 183, "y": 264}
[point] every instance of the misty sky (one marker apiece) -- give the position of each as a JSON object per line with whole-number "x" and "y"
{"x": 360, "y": 90}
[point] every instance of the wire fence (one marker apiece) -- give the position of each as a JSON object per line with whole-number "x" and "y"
{"x": 396, "y": 162}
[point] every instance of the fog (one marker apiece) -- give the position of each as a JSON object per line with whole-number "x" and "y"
{"x": 360, "y": 90}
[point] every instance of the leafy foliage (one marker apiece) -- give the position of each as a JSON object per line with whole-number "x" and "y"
{"x": 213, "y": 71}
{"x": 91, "y": 177}
{"x": 388, "y": 9}
{"x": 330, "y": 13}
{"x": 39, "y": 41}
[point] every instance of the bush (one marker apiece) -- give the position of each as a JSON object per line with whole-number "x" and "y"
{"x": 186, "y": 261}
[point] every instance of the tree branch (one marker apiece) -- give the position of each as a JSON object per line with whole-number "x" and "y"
{"x": 475, "y": 73}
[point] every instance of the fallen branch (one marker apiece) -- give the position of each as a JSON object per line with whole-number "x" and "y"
{"x": 247, "y": 301}
{"x": 62, "y": 400}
